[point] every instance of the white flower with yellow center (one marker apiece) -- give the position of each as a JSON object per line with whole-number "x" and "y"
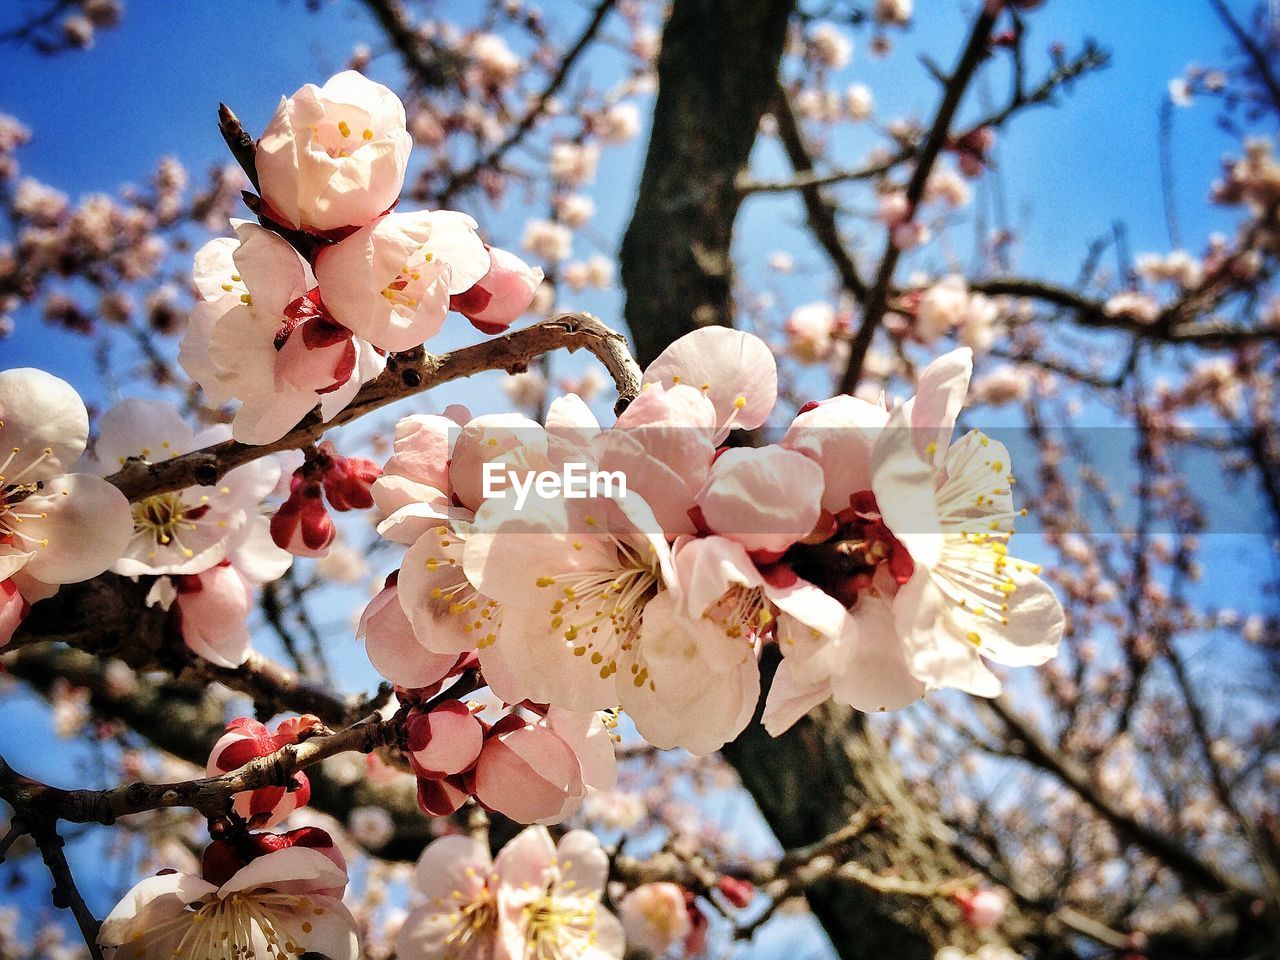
{"x": 55, "y": 527}
{"x": 574, "y": 577}
{"x": 277, "y": 907}
{"x": 183, "y": 531}
{"x": 967, "y": 598}
{"x": 534, "y": 901}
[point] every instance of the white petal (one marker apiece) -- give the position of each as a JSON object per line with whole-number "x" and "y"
{"x": 87, "y": 524}
{"x": 39, "y": 412}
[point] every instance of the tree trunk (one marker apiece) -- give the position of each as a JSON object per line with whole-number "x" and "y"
{"x": 716, "y": 73}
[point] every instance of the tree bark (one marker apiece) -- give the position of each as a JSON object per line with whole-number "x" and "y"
{"x": 716, "y": 73}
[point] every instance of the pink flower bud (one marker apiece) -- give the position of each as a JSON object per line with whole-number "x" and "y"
{"x": 501, "y": 295}
{"x": 302, "y": 525}
{"x": 527, "y": 772}
{"x": 222, "y": 859}
{"x": 443, "y": 742}
{"x": 439, "y": 798}
{"x": 348, "y": 481}
{"x": 246, "y": 739}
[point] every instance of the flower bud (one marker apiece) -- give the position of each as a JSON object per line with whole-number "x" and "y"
{"x": 334, "y": 157}
{"x": 527, "y": 772}
{"x": 247, "y": 739}
{"x": 982, "y": 909}
{"x": 737, "y": 892}
{"x": 439, "y": 798}
{"x": 501, "y": 295}
{"x": 302, "y": 525}
{"x": 348, "y": 481}
{"x": 444, "y": 742}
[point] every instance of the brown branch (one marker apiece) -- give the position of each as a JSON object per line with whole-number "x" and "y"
{"x": 819, "y": 208}
{"x": 429, "y": 63}
{"x": 1091, "y": 58}
{"x": 939, "y": 132}
{"x": 492, "y": 159}
{"x": 210, "y": 796}
{"x": 181, "y": 719}
{"x": 1169, "y": 327}
{"x": 65, "y": 894}
{"x": 406, "y": 374}
{"x": 1261, "y": 60}
{"x": 1029, "y": 745}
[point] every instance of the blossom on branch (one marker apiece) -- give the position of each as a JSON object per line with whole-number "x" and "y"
{"x": 268, "y": 896}
{"x": 56, "y": 527}
{"x": 334, "y": 156}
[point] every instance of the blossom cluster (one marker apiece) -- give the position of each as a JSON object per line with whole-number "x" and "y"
{"x": 865, "y": 543}
{"x": 281, "y": 332}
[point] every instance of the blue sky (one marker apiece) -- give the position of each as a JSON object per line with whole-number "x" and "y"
{"x": 151, "y": 87}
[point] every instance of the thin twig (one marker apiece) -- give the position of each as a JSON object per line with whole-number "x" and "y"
{"x": 939, "y": 132}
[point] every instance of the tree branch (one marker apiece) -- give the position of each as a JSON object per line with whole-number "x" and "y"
{"x": 939, "y": 132}
{"x": 492, "y": 160}
{"x": 407, "y": 374}
{"x": 210, "y": 796}
{"x": 1029, "y": 745}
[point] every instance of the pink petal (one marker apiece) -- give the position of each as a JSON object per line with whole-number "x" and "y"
{"x": 445, "y": 741}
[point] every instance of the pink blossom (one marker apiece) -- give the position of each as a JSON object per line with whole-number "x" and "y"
{"x": 534, "y": 899}
{"x": 390, "y": 282}
{"x": 858, "y": 102}
{"x": 261, "y": 335}
{"x": 838, "y": 434}
{"x": 547, "y": 240}
{"x": 948, "y": 305}
{"x": 13, "y": 610}
{"x": 951, "y": 507}
{"x": 619, "y": 123}
{"x": 498, "y": 298}
{"x": 1139, "y": 307}
{"x": 664, "y": 443}
{"x": 734, "y": 370}
{"x": 765, "y": 498}
{"x": 334, "y": 156}
{"x": 394, "y": 647}
{"x": 983, "y": 909}
{"x": 554, "y": 592}
{"x": 189, "y": 530}
{"x": 813, "y": 332}
{"x": 413, "y": 492}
